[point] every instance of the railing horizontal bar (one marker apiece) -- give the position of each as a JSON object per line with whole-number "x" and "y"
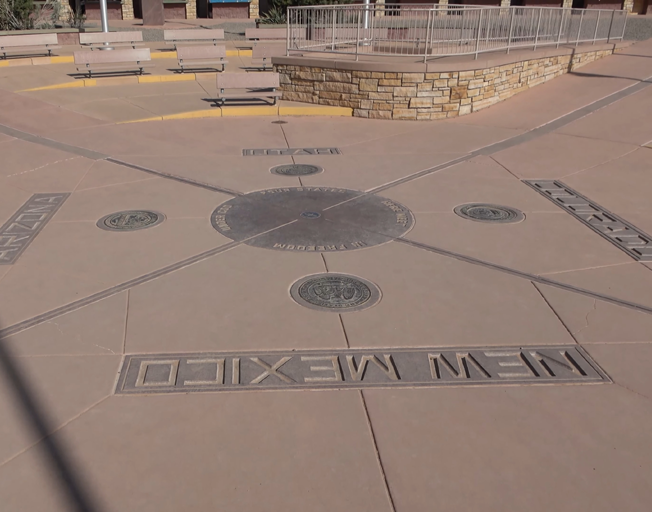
{"x": 419, "y": 30}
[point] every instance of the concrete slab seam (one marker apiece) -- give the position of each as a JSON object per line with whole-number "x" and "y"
{"x": 539, "y": 131}
{"x": 530, "y": 277}
{"x": 181, "y": 179}
{"x": 43, "y": 141}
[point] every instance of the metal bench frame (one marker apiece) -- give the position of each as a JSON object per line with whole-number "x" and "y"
{"x": 136, "y": 60}
{"x": 264, "y": 90}
{"x": 23, "y": 48}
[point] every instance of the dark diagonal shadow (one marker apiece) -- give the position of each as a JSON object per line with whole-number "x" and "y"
{"x": 66, "y": 473}
{"x": 596, "y": 75}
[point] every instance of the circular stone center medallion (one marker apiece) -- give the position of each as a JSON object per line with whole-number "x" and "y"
{"x": 130, "y": 220}
{"x": 312, "y": 219}
{"x": 489, "y": 213}
{"x": 296, "y": 170}
{"x": 336, "y": 293}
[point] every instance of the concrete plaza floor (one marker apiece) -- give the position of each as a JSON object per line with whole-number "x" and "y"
{"x": 85, "y": 428}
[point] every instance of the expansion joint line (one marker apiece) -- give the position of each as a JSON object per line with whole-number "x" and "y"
{"x": 530, "y": 277}
{"x": 528, "y": 136}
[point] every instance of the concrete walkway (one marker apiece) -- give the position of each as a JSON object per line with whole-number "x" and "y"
{"x": 333, "y": 336}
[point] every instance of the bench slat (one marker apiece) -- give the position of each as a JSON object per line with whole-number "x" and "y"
{"x": 127, "y": 60}
{"x": 28, "y": 40}
{"x": 257, "y": 85}
{"x": 247, "y": 80}
{"x": 201, "y": 52}
{"x": 122, "y": 66}
{"x": 131, "y": 55}
{"x": 200, "y": 34}
{"x": 250, "y": 94}
{"x": 93, "y": 38}
{"x": 262, "y": 53}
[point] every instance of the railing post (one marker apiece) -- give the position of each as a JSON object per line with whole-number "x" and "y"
{"x": 622, "y": 36}
{"x": 579, "y": 29}
{"x": 597, "y": 25}
{"x": 536, "y": 37}
{"x": 288, "y": 15}
{"x": 357, "y": 37}
{"x": 333, "y": 38}
{"x": 561, "y": 26}
{"x": 477, "y": 39}
{"x": 428, "y": 38}
{"x": 611, "y": 24}
{"x": 462, "y": 20}
{"x": 511, "y": 27}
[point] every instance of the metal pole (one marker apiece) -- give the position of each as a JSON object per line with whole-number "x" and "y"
{"x": 366, "y": 14}
{"x": 477, "y": 39}
{"x": 597, "y": 24}
{"x": 425, "y": 48}
{"x": 104, "y": 18}
{"x": 288, "y": 16}
{"x": 357, "y": 39}
{"x": 333, "y": 38}
{"x": 579, "y": 29}
{"x": 622, "y": 36}
{"x": 611, "y": 24}
{"x": 536, "y": 38}
{"x": 561, "y": 26}
{"x": 511, "y": 27}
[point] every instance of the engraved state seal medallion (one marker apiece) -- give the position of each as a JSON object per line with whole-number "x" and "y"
{"x": 337, "y": 293}
{"x": 130, "y": 220}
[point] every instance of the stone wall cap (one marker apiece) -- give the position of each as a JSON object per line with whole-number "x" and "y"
{"x": 443, "y": 64}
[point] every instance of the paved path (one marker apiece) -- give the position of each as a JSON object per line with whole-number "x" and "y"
{"x": 341, "y": 340}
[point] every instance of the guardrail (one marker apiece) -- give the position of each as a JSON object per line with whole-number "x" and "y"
{"x": 444, "y": 30}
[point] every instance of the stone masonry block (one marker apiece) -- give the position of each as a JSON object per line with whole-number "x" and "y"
{"x": 405, "y": 91}
{"x": 412, "y": 77}
{"x": 369, "y": 84}
{"x": 401, "y": 113}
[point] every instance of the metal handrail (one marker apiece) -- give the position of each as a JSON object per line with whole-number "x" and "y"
{"x": 421, "y": 30}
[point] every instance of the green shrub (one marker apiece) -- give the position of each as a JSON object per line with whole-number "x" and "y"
{"x": 16, "y": 14}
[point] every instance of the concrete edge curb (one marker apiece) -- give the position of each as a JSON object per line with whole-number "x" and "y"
{"x": 255, "y": 110}
{"x": 68, "y": 59}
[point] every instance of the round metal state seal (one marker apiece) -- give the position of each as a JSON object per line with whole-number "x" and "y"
{"x": 312, "y": 219}
{"x": 489, "y": 213}
{"x": 296, "y": 170}
{"x": 130, "y": 220}
{"x": 335, "y": 293}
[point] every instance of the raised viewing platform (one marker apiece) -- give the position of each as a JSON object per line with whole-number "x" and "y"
{"x": 432, "y": 62}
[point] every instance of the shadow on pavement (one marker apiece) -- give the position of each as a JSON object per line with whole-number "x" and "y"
{"x": 73, "y": 489}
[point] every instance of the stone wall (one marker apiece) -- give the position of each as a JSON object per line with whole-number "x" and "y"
{"x": 127, "y": 9}
{"x": 191, "y": 10}
{"x": 386, "y": 94}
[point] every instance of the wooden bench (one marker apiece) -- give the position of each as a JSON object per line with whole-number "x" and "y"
{"x": 99, "y": 39}
{"x": 135, "y": 60}
{"x": 248, "y": 85}
{"x": 174, "y": 37}
{"x": 201, "y": 57}
{"x": 262, "y": 54}
{"x": 32, "y": 43}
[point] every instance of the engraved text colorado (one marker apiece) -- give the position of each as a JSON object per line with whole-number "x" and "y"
{"x": 356, "y": 369}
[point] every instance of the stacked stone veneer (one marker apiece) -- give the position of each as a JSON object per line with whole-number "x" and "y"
{"x": 411, "y": 95}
